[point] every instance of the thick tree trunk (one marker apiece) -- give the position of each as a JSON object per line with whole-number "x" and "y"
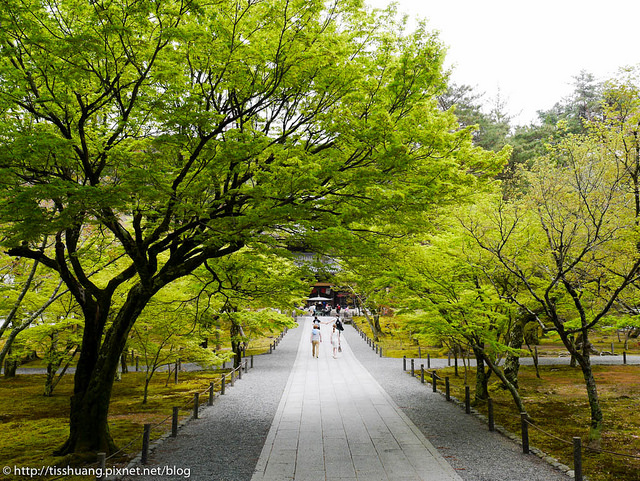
{"x": 10, "y": 367}
{"x": 376, "y": 322}
{"x": 95, "y": 373}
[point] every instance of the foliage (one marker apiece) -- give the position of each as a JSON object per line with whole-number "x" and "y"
{"x": 171, "y": 133}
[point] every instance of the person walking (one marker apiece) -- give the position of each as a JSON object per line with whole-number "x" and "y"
{"x": 338, "y": 326}
{"x": 316, "y": 339}
{"x": 335, "y": 341}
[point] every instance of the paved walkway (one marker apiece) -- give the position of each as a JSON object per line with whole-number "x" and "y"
{"x": 335, "y": 422}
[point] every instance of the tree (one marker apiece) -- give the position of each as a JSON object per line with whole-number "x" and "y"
{"x": 30, "y": 295}
{"x": 57, "y": 338}
{"x": 582, "y": 106}
{"x": 244, "y": 290}
{"x": 173, "y": 133}
{"x": 167, "y": 332}
{"x": 571, "y": 242}
{"x": 448, "y": 292}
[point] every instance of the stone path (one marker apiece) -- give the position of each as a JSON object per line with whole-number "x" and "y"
{"x": 335, "y": 422}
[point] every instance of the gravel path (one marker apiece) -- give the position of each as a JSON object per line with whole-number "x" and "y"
{"x": 226, "y": 442}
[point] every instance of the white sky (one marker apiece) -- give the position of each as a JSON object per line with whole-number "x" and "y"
{"x": 529, "y": 51}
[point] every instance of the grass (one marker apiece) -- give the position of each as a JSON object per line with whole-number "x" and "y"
{"x": 34, "y": 425}
{"x": 557, "y": 402}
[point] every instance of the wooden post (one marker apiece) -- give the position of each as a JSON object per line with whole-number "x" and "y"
{"x": 624, "y": 357}
{"x": 240, "y": 371}
{"x": 137, "y": 363}
{"x": 175, "y": 374}
{"x": 412, "y": 369}
{"x": 449, "y": 359}
{"x": 251, "y": 361}
{"x": 270, "y": 348}
{"x": 404, "y": 363}
{"x": 525, "y": 433}
{"x": 174, "y": 422}
{"x": 380, "y": 352}
{"x": 102, "y": 464}
{"x": 447, "y": 388}
{"x": 428, "y": 361}
{"x": 467, "y": 400}
{"x": 211, "y": 394}
{"x": 196, "y": 405}
{"x": 577, "y": 458}
{"x": 492, "y": 424}
{"x": 434, "y": 381}
{"x": 419, "y": 352}
{"x": 233, "y": 377}
{"x": 246, "y": 366}
{"x": 455, "y": 363}
{"x": 224, "y": 378}
{"x": 145, "y": 444}
{"x": 422, "y": 373}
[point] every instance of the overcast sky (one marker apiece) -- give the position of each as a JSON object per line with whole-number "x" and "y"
{"x": 530, "y": 51}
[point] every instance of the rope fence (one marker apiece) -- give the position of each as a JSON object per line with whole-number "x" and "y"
{"x": 576, "y": 442}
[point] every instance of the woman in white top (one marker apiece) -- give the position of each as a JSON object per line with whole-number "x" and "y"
{"x": 335, "y": 341}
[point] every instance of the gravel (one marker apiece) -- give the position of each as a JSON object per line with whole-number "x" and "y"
{"x": 225, "y": 443}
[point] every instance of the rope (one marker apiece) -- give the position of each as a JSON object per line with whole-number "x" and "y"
{"x": 587, "y": 448}
{"x": 548, "y": 433}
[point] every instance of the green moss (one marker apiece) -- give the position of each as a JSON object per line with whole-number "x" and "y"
{"x": 33, "y": 425}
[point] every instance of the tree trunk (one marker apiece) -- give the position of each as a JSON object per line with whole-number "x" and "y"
{"x": 50, "y": 385}
{"x": 482, "y": 377}
{"x": 236, "y": 342}
{"x": 123, "y": 362}
{"x": 5, "y": 352}
{"x": 595, "y": 430}
{"x": 95, "y": 373}
{"x": 376, "y": 322}
{"x": 512, "y": 360}
{"x": 10, "y": 367}
{"x": 583, "y": 359}
{"x": 512, "y": 389}
{"x": 147, "y": 380}
{"x": 372, "y": 326}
